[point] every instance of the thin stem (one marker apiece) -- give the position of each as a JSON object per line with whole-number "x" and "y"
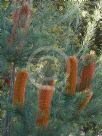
{"x": 7, "y": 124}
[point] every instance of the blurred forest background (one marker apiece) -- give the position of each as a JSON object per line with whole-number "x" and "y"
{"x": 40, "y": 39}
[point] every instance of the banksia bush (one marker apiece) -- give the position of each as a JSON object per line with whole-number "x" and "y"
{"x": 44, "y": 102}
{"x": 87, "y": 73}
{"x": 19, "y": 87}
{"x": 85, "y": 101}
{"x": 72, "y": 68}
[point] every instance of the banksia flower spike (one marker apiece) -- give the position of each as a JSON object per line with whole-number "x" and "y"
{"x": 21, "y": 17}
{"x": 87, "y": 73}
{"x": 25, "y": 11}
{"x": 72, "y": 67}
{"x": 44, "y": 101}
{"x": 19, "y": 88}
{"x": 16, "y": 17}
{"x": 85, "y": 101}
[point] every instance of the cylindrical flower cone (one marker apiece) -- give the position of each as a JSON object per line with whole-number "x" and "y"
{"x": 86, "y": 100}
{"x": 72, "y": 68}
{"x": 43, "y": 119}
{"x": 16, "y": 17}
{"x": 20, "y": 87}
{"x": 44, "y": 103}
{"x": 26, "y": 12}
{"x": 45, "y": 97}
{"x": 87, "y": 74}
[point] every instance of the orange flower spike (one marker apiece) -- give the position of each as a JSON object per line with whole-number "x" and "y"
{"x": 45, "y": 97}
{"x": 72, "y": 71}
{"x": 44, "y": 101}
{"x": 19, "y": 87}
{"x": 87, "y": 73}
{"x": 86, "y": 100}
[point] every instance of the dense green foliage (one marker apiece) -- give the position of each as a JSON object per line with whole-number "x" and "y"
{"x": 58, "y": 29}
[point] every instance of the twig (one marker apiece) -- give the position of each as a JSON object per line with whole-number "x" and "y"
{"x": 6, "y": 131}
